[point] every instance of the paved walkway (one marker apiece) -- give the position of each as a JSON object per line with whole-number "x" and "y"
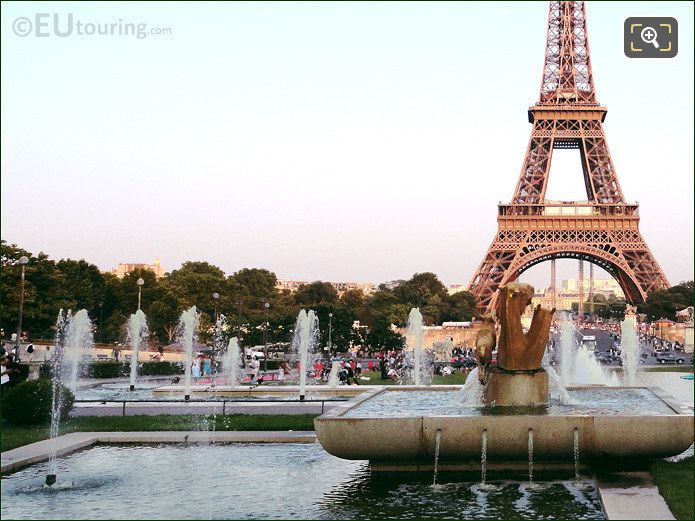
{"x": 631, "y": 495}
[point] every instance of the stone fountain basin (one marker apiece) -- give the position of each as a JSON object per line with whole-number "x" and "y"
{"x": 408, "y": 442}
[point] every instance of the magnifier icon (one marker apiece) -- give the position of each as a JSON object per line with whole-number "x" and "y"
{"x": 648, "y": 35}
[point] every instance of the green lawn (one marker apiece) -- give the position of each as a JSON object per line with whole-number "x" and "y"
{"x": 15, "y": 436}
{"x": 670, "y": 369}
{"x": 676, "y": 485}
{"x": 456, "y": 378}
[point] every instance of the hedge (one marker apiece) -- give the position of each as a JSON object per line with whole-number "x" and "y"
{"x": 122, "y": 369}
{"x": 23, "y": 372}
{"x": 31, "y": 403}
{"x": 118, "y": 369}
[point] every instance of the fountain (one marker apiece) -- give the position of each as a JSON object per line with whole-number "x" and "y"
{"x": 420, "y": 369}
{"x": 568, "y": 345}
{"x": 471, "y": 394}
{"x": 578, "y": 365}
{"x": 437, "y": 446}
{"x": 483, "y": 457}
{"x": 576, "y": 454}
{"x": 232, "y": 361}
{"x": 304, "y": 341}
{"x": 136, "y": 333}
{"x": 219, "y": 340}
{"x": 73, "y": 338}
{"x": 333, "y": 377}
{"x": 530, "y": 455}
{"x": 79, "y": 340}
{"x": 188, "y": 329}
{"x": 520, "y": 406}
{"x": 629, "y": 351}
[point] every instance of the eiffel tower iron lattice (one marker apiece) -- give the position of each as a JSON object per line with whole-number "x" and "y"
{"x": 602, "y": 230}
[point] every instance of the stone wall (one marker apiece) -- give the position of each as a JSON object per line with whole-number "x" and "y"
{"x": 461, "y": 337}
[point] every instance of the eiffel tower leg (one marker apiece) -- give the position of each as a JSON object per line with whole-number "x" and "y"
{"x": 644, "y": 267}
{"x": 492, "y": 272}
{"x": 553, "y": 283}
{"x": 580, "y": 287}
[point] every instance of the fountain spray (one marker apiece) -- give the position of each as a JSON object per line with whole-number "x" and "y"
{"x": 136, "y": 333}
{"x": 415, "y": 339}
{"x": 218, "y": 338}
{"x": 629, "y": 351}
{"x": 74, "y": 338}
{"x": 305, "y": 339}
{"x": 231, "y": 361}
{"x": 188, "y": 327}
{"x": 567, "y": 345}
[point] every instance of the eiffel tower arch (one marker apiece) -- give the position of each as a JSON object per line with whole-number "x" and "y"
{"x": 604, "y": 229}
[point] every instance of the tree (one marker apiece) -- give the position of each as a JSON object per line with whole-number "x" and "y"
{"x": 44, "y": 292}
{"x": 433, "y": 310}
{"x": 384, "y": 303}
{"x": 382, "y": 337}
{"x": 665, "y": 303}
{"x": 420, "y": 289}
{"x": 353, "y": 299}
{"x": 83, "y": 282}
{"x": 255, "y": 286}
{"x": 194, "y": 284}
{"x": 341, "y": 326}
{"x": 460, "y": 307}
{"x": 316, "y": 293}
{"x": 163, "y": 315}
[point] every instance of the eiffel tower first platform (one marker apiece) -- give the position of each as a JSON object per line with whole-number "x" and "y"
{"x": 603, "y": 230}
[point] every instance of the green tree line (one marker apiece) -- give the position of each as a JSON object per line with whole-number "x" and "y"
{"x": 77, "y": 284}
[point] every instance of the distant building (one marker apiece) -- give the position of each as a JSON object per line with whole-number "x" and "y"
{"x": 456, "y": 288}
{"x": 568, "y": 293}
{"x": 290, "y": 285}
{"x": 605, "y": 287}
{"x": 341, "y": 287}
{"x": 124, "y": 268}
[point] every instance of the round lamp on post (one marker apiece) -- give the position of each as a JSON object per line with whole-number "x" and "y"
{"x": 140, "y": 283}
{"x": 216, "y": 297}
{"x": 23, "y": 261}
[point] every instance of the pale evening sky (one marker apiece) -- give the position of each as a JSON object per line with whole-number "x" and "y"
{"x": 334, "y": 141}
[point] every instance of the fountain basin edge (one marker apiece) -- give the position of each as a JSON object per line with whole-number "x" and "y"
{"x": 409, "y": 442}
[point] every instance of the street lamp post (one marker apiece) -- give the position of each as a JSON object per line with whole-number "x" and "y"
{"x": 216, "y": 296}
{"x": 23, "y": 261}
{"x": 330, "y": 331}
{"x": 140, "y": 283}
{"x": 239, "y": 303}
{"x": 101, "y": 319}
{"x": 265, "y": 337}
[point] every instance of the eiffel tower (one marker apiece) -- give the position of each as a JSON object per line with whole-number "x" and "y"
{"x": 604, "y": 230}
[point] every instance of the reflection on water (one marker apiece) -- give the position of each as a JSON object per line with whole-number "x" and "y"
{"x": 275, "y": 481}
{"x": 457, "y": 496}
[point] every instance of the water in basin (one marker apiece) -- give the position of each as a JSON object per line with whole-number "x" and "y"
{"x": 275, "y": 481}
{"x": 584, "y": 401}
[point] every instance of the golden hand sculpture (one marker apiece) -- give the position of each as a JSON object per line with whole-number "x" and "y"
{"x": 517, "y": 350}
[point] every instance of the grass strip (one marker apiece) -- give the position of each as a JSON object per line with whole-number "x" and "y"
{"x": 12, "y": 436}
{"x": 676, "y": 484}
